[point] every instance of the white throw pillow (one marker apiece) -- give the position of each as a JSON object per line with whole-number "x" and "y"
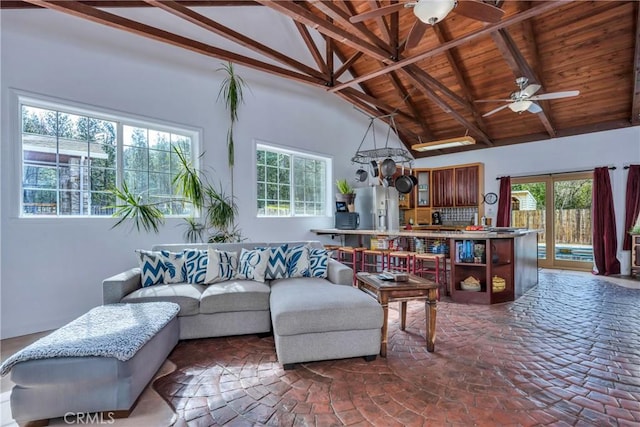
{"x": 277, "y": 265}
{"x": 298, "y": 261}
{"x": 318, "y": 262}
{"x": 252, "y": 264}
{"x": 174, "y": 267}
{"x": 222, "y": 266}
{"x": 195, "y": 265}
{"x": 151, "y": 267}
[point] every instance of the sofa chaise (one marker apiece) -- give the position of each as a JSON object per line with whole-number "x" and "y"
{"x": 311, "y": 318}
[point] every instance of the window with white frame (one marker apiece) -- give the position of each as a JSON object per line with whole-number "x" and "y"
{"x": 291, "y": 183}
{"x": 72, "y": 158}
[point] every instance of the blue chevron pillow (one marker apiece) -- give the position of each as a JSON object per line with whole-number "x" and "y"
{"x": 152, "y": 267}
{"x": 175, "y": 271}
{"x": 277, "y": 265}
{"x": 318, "y": 261}
{"x": 297, "y": 261}
{"x": 195, "y": 263}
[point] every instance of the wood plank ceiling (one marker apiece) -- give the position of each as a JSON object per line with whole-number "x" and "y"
{"x": 433, "y": 87}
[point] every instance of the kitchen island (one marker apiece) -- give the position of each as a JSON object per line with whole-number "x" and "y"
{"x": 489, "y": 266}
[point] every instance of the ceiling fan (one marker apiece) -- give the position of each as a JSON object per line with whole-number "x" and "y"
{"x": 522, "y": 99}
{"x": 430, "y": 12}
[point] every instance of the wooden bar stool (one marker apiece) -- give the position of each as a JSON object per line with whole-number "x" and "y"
{"x": 400, "y": 261}
{"x": 333, "y": 249}
{"x": 351, "y": 257}
{"x": 432, "y": 264}
{"x": 374, "y": 260}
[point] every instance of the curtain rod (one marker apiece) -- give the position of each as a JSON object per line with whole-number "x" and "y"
{"x": 557, "y": 173}
{"x": 628, "y": 166}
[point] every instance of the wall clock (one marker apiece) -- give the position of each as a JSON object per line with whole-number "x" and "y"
{"x": 490, "y": 198}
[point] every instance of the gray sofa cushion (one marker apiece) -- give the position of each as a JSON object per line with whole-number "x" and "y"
{"x": 308, "y": 305}
{"x": 186, "y": 295}
{"x": 235, "y": 295}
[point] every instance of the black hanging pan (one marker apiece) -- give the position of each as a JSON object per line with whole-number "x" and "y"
{"x": 404, "y": 183}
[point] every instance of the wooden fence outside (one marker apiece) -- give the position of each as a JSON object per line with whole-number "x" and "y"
{"x": 572, "y": 225}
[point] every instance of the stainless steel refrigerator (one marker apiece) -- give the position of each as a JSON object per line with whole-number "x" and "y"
{"x": 378, "y": 208}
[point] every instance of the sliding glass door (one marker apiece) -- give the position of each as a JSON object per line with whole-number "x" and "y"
{"x": 560, "y": 206}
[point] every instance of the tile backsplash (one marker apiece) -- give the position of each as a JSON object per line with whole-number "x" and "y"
{"x": 458, "y": 216}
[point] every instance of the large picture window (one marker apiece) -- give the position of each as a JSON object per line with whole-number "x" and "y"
{"x": 291, "y": 183}
{"x": 71, "y": 159}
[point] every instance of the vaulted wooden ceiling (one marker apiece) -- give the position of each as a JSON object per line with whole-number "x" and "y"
{"x": 432, "y": 89}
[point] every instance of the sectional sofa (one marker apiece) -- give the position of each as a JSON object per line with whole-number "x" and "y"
{"x": 300, "y": 294}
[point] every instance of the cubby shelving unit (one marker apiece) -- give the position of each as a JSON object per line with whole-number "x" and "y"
{"x": 483, "y": 259}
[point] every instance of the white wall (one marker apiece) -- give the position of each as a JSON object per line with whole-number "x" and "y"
{"x": 53, "y": 268}
{"x": 617, "y": 148}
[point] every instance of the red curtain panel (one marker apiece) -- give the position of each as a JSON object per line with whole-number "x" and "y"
{"x": 605, "y": 241}
{"x": 632, "y": 204}
{"x": 503, "y": 218}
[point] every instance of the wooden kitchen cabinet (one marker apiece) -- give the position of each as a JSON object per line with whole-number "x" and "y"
{"x": 467, "y": 185}
{"x": 423, "y": 196}
{"x": 458, "y": 186}
{"x": 442, "y": 187}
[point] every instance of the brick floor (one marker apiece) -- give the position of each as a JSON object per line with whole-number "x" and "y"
{"x": 566, "y": 353}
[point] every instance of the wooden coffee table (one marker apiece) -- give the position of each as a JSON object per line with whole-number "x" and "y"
{"x": 416, "y": 288}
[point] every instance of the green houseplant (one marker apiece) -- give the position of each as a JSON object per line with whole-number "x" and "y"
{"x": 218, "y": 209}
{"x": 345, "y": 194}
{"x": 231, "y": 91}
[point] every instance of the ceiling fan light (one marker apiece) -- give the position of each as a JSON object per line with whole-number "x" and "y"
{"x": 433, "y": 11}
{"x": 520, "y": 106}
{"x": 444, "y": 143}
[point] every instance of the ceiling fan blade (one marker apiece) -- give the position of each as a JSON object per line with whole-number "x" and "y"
{"x": 530, "y": 90}
{"x": 416, "y": 33}
{"x": 493, "y": 100}
{"x": 534, "y": 108}
{"x": 384, "y": 10}
{"x": 555, "y": 95}
{"x": 478, "y": 10}
{"x": 500, "y": 108}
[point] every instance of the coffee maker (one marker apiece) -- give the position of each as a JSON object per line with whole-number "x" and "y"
{"x": 436, "y": 218}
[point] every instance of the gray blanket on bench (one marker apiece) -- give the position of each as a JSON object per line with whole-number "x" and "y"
{"x": 115, "y": 330}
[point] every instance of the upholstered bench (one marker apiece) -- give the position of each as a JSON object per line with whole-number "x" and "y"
{"x": 100, "y": 362}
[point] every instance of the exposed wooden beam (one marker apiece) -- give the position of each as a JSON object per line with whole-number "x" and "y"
{"x": 383, "y": 106}
{"x": 460, "y": 78}
{"x": 115, "y": 21}
{"x": 347, "y": 64}
{"x": 397, "y": 84}
{"x": 313, "y": 48}
{"x": 334, "y": 12}
{"x": 181, "y": 11}
{"x": 394, "y": 30}
{"x": 635, "y": 105}
{"x": 359, "y": 103}
{"x": 382, "y": 25}
{"x": 306, "y": 17}
{"x": 340, "y": 16}
{"x": 419, "y": 82}
{"x": 514, "y": 19}
{"x": 520, "y": 67}
{"x": 328, "y": 42}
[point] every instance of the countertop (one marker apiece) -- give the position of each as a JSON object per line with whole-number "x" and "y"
{"x": 490, "y": 232}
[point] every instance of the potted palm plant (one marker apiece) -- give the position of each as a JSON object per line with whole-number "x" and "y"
{"x": 218, "y": 209}
{"x": 345, "y": 194}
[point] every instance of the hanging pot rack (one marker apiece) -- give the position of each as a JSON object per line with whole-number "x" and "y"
{"x": 365, "y": 157}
